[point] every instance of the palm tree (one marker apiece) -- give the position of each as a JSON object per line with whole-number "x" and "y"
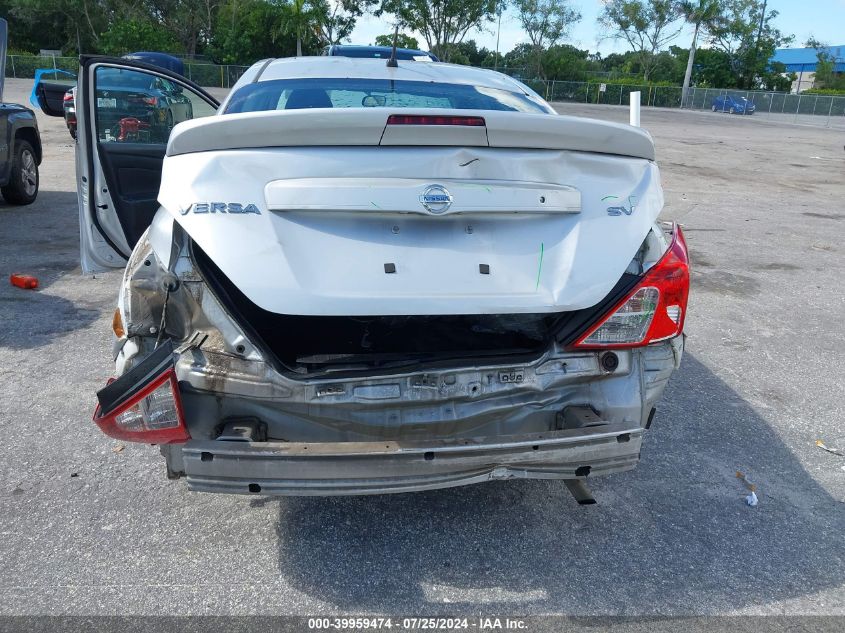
{"x": 299, "y": 20}
{"x": 697, "y": 13}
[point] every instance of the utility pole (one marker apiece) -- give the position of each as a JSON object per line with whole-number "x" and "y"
{"x": 498, "y": 31}
{"x": 759, "y": 35}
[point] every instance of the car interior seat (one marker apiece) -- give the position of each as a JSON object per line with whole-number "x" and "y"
{"x": 308, "y": 98}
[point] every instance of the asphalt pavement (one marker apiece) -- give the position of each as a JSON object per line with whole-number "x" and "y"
{"x": 88, "y": 528}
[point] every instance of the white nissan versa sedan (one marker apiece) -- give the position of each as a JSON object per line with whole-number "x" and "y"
{"x": 352, "y": 278}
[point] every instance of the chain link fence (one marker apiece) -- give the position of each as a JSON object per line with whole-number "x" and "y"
{"x": 810, "y": 109}
{"x": 206, "y": 75}
{"x": 613, "y": 94}
{"x": 824, "y": 110}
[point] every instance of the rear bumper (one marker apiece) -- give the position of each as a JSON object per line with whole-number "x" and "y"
{"x": 349, "y": 468}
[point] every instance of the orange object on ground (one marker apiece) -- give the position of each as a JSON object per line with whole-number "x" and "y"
{"x": 27, "y": 282}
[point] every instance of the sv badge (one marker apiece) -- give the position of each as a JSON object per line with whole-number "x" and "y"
{"x": 620, "y": 209}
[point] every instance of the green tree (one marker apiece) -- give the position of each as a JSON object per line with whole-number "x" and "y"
{"x": 645, "y": 25}
{"x": 825, "y": 75}
{"x": 191, "y": 22}
{"x": 402, "y": 41}
{"x": 136, "y": 35}
{"x": 300, "y": 21}
{"x": 468, "y": 53}
{"x": 713, "y": 69}
{"x": 697, "y": 13}
{"x": 519, "y": 57}
{"x": 566, "y": 62}
{"x": 336, "y": 19}
{"x": 442, "y": 23}
{"x": 775, "y": 77}
{"x": 545, "y": 23}
{"x": 737, "y": 33}
{"x": 69, "y": 25}
{"x": 247, "y": 30}
{"x": 668, "y": 67}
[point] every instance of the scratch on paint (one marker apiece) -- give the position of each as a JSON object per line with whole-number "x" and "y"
{"x": 610, "y": 198}
{"x": 375, "y": 205}
{"x": 539, "y": 268}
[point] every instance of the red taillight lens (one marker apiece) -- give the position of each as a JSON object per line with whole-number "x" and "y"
{"x": 153, "y": 415}
{"x": 654, "y": 310}
{"x": 141, "y": 99}
{"x": 68, "y": 96}
{"x": 425, "y": 119}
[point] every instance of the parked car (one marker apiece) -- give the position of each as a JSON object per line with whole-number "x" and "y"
{"x": 378, "y": 52}
{"x": 47, "y": 91}
{"x": 20, "y": 154}
{"x": 734, "y": 105}
{"x": 360, "y": 279}
{"x": 69, "y": 109}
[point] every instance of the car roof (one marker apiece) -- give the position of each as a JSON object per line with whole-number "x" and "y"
{"x": 333, "y": 67}
{"x": 163, "y": 60}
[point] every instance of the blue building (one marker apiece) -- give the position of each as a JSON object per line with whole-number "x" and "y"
{"x": 802, "y": 62}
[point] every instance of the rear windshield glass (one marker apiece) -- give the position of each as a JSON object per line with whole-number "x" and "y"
{"x": 125, "y": 78}
{"x": 379, "y": 54}
{"x": 294, "y": 94}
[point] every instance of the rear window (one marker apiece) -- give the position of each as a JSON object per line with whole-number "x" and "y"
{"x": 378, "y": 54}
{"x": 124, "y": 78}
{"x": 295, "y": 94}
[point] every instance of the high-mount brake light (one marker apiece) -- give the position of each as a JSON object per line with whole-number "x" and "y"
{"x": 144, "y": 405}
{"x": 428, "y": 119}
{"x": 654, "y": 310}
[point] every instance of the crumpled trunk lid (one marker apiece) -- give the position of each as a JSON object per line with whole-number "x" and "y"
{"x": 346, "y": 231}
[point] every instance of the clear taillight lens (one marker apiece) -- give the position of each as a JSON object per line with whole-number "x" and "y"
{"x": 630, "y": 322}
{"x": 153, "y": 412}
{"x": 153, "y": 415}
{"x": 654, "y": 310}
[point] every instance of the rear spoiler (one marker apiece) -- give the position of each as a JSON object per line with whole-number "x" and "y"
{"x": 369, "y": 127}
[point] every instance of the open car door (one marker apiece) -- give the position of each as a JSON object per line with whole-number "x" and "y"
{"x": 51, "y": 95}
{"x": 125, "y": 112}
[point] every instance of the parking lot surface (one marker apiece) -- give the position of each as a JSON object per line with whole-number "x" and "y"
{"x": 88, "y": 528}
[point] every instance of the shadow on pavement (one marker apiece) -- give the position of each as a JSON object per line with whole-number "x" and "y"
{"x": 42, "y": 240}
{"x": 673, "y": 536}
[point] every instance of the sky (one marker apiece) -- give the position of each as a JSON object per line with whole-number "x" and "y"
{"x": 824, "y": 19}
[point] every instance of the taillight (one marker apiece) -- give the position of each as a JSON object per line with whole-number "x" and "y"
{"x": 654, "y": 310}
{"x": 141, "y": 99}
{"x": 68, "y": 97}
{"x": 144, "y": 405}
{"x": 426, "y": 119}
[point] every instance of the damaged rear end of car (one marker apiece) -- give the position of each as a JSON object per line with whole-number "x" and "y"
{"x": 374, "y": 301}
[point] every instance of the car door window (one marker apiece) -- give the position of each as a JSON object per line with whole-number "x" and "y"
{"x": 135, "y": 106}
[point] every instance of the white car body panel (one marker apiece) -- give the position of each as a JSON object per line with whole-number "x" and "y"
{"x": 368, "y": 126}
{"x": 347, "y": 306}
{"x": 326, "y": 262}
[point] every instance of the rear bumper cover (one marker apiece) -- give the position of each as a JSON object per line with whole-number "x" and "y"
{"x": 349, "y": 468}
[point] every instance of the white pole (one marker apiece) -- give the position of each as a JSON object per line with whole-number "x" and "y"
{"x": 635, "y": 108}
